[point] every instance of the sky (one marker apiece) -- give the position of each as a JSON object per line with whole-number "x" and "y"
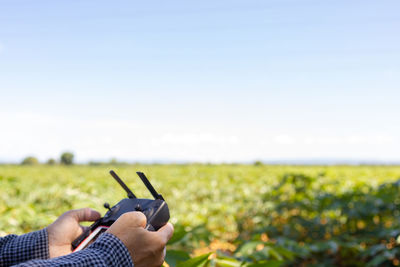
{"x": 200, "y": 81}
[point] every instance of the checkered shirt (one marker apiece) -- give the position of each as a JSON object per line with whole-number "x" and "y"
{"x": 32, "y": 250}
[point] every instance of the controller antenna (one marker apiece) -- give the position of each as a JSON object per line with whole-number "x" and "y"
{"x": 149, "y": 186}
{"x": 130, "y": 194}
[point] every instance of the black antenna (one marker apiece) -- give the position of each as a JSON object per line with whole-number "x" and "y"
{"x": 149, "y": 186}
{"x": 130, "y": 194}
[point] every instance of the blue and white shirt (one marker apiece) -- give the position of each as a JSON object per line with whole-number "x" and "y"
{"x": 33, "y": 250}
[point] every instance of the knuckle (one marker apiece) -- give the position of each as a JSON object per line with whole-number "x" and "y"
{"x": 133, "y": 218}
{"x": 133, "y": 215}
{"x": 139, "y": 215}
{"x": 86, "y": 212}
{"x": 125, "y": 216}
{"x": 128, "y": 216}
{"x": 159, "y": 242}
{"x": 139, "y": 218}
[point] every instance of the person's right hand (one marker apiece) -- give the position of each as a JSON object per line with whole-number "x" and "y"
{"x": 147, "y": 248}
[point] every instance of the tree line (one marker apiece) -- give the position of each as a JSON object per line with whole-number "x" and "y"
{"x": 66, "y": 158}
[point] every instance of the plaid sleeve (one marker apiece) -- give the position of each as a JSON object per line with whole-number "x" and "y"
{"x": 107, "y": 250}
{"x": 15, "y": 249}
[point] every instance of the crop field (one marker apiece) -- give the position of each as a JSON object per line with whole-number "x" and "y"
{"x": 231, "y": 215}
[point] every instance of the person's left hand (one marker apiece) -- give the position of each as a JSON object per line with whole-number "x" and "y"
{"x": 66, "y": 229}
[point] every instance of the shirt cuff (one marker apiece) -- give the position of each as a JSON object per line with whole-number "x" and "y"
{"x": 36, "y": 244}
{"x": 25, "y": 247}
{"x": 115, "y": 252}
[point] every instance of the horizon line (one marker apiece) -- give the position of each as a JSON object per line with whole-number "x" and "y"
{"x": 322, "y": 161}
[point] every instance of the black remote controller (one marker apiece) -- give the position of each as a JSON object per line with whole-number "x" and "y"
{"x": 156, "y": 212}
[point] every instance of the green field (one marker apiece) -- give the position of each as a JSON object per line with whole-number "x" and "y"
{"x": 243, "y": 215}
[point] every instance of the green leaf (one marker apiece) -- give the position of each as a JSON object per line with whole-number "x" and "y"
{"x": 285, "y": 252}
{"x": 274, "y": 254}
{"x": 199, "y": 261}
{"x": 228, "y": 262}
{"x": 179, "y": 234}
{"x": 175, "y": 256}
{"x": 225, "y": 261}
{"x": 272, "y": 263}
{"x": 248, "y": 248}
{"x": 377, "y": 260}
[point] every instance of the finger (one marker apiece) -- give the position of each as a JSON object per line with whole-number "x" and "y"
{"x": 166, "y": 232}
{"x": 81, "y": 230}
{"x": 84, "y": 215}
{"x": 84, "y": 228}
{"x": 134, "y": 219}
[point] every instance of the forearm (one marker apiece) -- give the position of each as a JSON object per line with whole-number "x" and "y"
{"x": 15, "y": 249}
{"x": 107, "y": 250}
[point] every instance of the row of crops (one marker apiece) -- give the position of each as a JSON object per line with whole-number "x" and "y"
{"x": 232, "y": 215}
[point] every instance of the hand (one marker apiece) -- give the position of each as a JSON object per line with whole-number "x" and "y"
{"x": 66, "y": 229}
{"x": 147, "y": 248}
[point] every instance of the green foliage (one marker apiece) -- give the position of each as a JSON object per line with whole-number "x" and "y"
{"x": 258, "y": 163}
{"x": 173, "y": 257}
{"x": 199, "y": 261}
{"x": 67, "y": 158}
{"x": 30, "y": 161}
{"x": 51, "y": 162}
{"x": 243, "y": 215}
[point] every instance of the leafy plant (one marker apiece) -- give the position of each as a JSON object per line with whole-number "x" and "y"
{"x": 232, "y": 215}
{"x": 30, "y": 161}
{"x": 67, "y": 158}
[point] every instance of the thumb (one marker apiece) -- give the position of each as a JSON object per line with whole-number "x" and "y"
{"x": 134, "y": 219}
{"x": 166, "y": 232}
{"x": 84, "y": 215}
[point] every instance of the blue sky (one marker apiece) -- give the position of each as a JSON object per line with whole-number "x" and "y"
{"x": 216, "y": 81}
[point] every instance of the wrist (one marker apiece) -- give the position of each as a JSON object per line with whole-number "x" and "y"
{"x": 114, "y": 251}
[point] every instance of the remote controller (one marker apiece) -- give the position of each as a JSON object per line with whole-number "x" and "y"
{"x": 156, "y": 212}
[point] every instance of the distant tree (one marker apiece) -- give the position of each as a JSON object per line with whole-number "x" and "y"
{"x": 95, "y": 163}
{"x": 113, "y": 161}
{"x": 67, "y": 158}
{"x": 258, "y": 163}
{"x": 30, "y": 161}
{"x": 51, "y": 161}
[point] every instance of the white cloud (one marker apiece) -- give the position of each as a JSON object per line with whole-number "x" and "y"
{"x": 349, "y": 140}
{"x": 47, "y": 136}
{"x": 285, "y": 139}
{"x": 194, "y": 139}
